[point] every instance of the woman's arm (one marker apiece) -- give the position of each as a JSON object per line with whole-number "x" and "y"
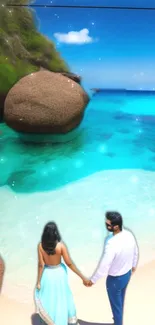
{"x": 40, "y": 266}
{"x": 70, "y": 264}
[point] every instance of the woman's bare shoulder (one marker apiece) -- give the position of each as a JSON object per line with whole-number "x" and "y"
{"x": 59, "y": 247}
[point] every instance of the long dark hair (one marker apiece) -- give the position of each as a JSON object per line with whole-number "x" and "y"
{"x": 50, "y": 238}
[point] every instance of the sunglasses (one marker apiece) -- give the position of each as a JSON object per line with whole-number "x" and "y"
{"x": 110, "y": 226}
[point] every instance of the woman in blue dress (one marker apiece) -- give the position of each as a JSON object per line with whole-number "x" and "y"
{"x": 53, "y": 297}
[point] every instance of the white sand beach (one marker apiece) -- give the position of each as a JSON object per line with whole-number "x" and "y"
{"x": 92, "y": 303}
{"x": 81, "y": 205}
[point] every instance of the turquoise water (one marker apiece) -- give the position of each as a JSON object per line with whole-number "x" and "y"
{"x": 107, "y": 163}
{"x": 118, "y": 132}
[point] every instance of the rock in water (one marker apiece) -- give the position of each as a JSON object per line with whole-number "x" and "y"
{"x": 45, "y": 102}
{"x": 72, "y": 76}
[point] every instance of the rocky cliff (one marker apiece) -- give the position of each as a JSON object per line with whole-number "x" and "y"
{"x": 23, "y": 49}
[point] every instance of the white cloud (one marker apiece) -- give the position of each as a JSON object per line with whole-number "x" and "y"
{"x": 81, "y": 37}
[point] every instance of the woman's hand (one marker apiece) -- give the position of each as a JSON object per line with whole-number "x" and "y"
{"x": 86, "y": 282}
{"x": 38, "y": 286}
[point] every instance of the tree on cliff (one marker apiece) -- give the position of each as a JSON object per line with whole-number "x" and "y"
{"x": 23, "y": 49}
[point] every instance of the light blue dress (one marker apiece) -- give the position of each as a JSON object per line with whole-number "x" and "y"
{"x": 54, "y": 301}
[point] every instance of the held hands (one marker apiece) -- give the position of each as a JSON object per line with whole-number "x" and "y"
{"x": 87, "y": 282}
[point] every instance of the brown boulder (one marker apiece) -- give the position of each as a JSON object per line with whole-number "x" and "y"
{"x": 69, "y": 75}
{"x": 45, "y": 102}
{"x": 72, "y": 76}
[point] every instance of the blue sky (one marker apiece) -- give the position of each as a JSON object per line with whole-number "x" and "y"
{"x": 108, "y": 48}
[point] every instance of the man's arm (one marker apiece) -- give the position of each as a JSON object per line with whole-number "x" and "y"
{"x": 135, "y": 257}
{"x": 105, "y": 262}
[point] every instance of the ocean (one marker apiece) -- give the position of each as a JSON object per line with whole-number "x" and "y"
{"x": 108, "y": 162}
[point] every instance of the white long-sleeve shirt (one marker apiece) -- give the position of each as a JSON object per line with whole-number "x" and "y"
{"x": 120, "y": 256}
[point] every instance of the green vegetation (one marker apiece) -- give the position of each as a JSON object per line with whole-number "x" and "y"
{"x": 23, "y": 49}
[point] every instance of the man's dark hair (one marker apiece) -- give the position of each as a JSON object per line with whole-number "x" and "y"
{"x": 115, "y": 218}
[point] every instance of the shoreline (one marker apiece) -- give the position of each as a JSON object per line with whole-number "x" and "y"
{"x": 139, "y": 305}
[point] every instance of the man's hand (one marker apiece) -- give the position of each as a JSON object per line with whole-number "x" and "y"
{"x": 87, "y": 283}
{"x": 133, "y": 270}
{"x": 90, "y": 283}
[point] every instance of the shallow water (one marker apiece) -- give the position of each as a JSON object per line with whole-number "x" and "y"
{"x": 117, "y": 132}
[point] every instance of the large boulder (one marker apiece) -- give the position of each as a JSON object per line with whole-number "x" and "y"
{"x": 69, "y": 75}
{"x": 45, "y": 102}
{"x": 72, "y": 76}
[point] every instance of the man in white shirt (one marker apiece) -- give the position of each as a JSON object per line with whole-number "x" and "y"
{"x": 119, "y": 260}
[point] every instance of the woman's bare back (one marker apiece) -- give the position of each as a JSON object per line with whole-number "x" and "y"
{"x": 52, "y": 259}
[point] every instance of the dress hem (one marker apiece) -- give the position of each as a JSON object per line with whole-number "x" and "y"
{"x": 46, "y": 318}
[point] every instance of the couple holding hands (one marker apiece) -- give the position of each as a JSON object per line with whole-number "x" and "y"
{"x": 53, "y": 297}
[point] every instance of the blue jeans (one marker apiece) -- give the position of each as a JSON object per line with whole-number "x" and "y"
{"x": 116, "y": 288}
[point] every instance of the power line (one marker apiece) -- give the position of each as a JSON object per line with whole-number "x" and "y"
{"x": 81, "y": 7}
